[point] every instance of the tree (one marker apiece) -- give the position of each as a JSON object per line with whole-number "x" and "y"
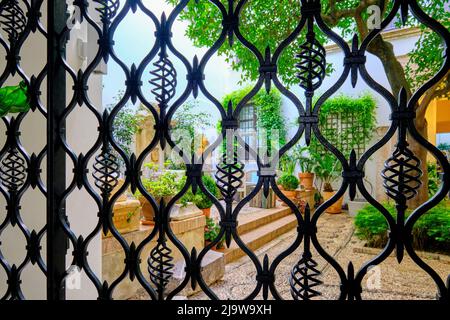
{"x": 268, "y": 22}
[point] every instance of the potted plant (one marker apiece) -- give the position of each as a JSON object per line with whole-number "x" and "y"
{"x": 201, "y": 200}
{"x": 327, "y": 170}
{"x": 212, "y": 230}
{"x": 161, "y": 185}
{"x": 288, "y": 183}
{"x": 306, "y": 163}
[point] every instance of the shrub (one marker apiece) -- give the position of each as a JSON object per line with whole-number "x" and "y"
{"x": 430, "y": 232}
{"x": 201, "y": 200}
{"x": 288, "y": 182}
{"x": 212, "y": 231}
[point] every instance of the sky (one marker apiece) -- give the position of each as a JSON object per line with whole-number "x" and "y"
{"x": 134, "y": 39}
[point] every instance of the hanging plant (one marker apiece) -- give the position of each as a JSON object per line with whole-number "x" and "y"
{"x": 14, "y": 99}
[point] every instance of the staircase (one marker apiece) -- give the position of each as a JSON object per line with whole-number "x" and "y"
{"x": 260, "y": 227}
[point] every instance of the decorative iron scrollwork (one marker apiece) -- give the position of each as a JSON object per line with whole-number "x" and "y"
{"x": 312, "y": 64}
{"x": 402, "y": 174}
{"x": 304, "y": 275}
{"x": 160, "y": 265}
{"x": 106, "y": 171}
{"x": 304, "y": 278}
{"x": 13, "y": 170}
{"x": 165, "y": 79}
{"x": 12, "y": 19}
{"x": 229, "y": 175}
{"x": 108, "y": 9}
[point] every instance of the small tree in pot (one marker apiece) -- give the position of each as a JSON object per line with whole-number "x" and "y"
{"x": 288, "y": 183}
{"x": 200, "y": 199}
{"x": 307, "y": 164}
{"x": 327, "y": 170}
{"x": 161, "y": 185}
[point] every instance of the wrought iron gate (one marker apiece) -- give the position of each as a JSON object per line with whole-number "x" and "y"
{"x": 22, "y": 171}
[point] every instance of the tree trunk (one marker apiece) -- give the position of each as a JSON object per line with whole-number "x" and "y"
{"x": 397, "y": 80}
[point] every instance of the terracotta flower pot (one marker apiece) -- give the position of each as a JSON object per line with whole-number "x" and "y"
{"x": 291, "y": 195}
{"x": 148, "y": 214}
{"x": 207, "y": 212}
{"x": 335, "y": 207}
{"x": 306, "y": 180}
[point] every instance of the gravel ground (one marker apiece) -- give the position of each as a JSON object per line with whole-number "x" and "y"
{"x": 389, "y": 281}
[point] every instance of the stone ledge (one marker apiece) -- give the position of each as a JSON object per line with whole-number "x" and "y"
{"x": 422, "y": 254}
{"x": 111, "y": 245}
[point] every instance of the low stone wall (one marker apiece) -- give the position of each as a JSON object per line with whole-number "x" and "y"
{"x": 189, "y": 231}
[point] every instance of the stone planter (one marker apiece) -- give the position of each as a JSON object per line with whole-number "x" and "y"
{"x": 335, "y": 207}
{"x": 291, "y": 195}
{"x": 148, "y": 214}
{"x": 356, "y": 205}
{"x": 306, "y": 180}
{"x": 126, "y": 215}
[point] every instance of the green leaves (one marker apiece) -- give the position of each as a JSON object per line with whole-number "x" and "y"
{"x": 289, "y": 182}
{"x": 431, "y": 231}
{"x": 347, "y": 122}
{"x": 268, "y": 22}
{"x": 14, "y": 99}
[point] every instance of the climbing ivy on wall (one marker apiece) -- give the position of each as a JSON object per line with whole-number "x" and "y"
{"x": 347, "y": 122}
{"x": 268, "y": 111}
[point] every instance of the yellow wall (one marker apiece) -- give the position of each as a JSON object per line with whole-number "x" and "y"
{"x": 438, "y": 119}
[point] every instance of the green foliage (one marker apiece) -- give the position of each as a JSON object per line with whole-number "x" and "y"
{"x": 430, "y": 232}
{"x": 14, "y": 99}
{"x": 212, "y": 231}
{"x": 303, "y": 157}
{"x": 356, "y": 123}
{"x": 187, "y": 134}
{"x": 444, "y": 146}
{"x": 287, "y": 164}
{"x": 125, "y": 125}
{"x": 288, "y": 182}
{"x": 433, "y": 179}
{"x": 425, "y": 59}
{"x": 327, "y": 169}
{"x": 268, "y": 22}
{"x": 162, "y": 184}
{"x": 200, "y": 199}
{"x": 268, "y": 112}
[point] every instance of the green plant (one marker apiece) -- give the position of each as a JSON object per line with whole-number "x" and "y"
{"x": 327, "y": 170}
{"x": 212, "y": 231}
{"x": 131, "y": 214}
{"x": 288, "y": 182}
{"x": 201, "y": 200}
{"x": 188, "y": 123}
{"x": 287, "y": 164}
{"x": 303, "y": 157}
{"x": 353, "y": 122}
{"x": 430, "y": 232}
{"x": 14, "y": 99}
{"x": 444, "y": 146}
{"x": 268, "y": 113}
{"x": 162, "y": 184}
{"x": 126, "y": 124}
{"x": 433, "y": 179}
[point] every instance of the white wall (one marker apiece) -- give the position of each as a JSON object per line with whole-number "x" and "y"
{"x": 81, "y": 128}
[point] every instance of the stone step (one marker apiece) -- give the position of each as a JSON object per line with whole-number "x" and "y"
{"x": 254, "y": 220}
{"x": 258, "y": 237}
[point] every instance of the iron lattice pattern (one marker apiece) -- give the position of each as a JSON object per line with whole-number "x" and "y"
{"x": 97, "y": 169}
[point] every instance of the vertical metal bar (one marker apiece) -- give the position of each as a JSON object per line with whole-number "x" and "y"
{"x": 56, "y": 166}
